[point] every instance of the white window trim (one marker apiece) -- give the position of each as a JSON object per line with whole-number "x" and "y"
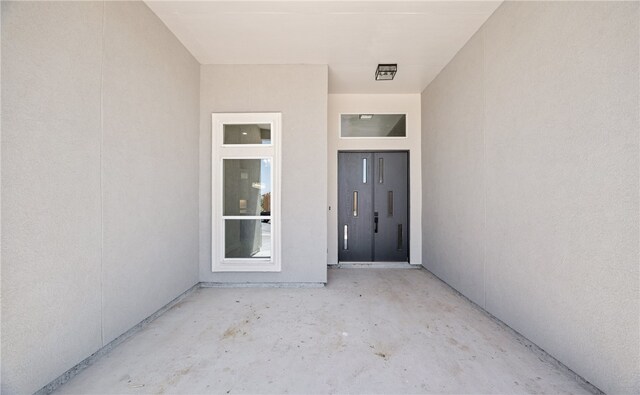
{"x": 405, "y": 137}
{"x": 221, "y": 151}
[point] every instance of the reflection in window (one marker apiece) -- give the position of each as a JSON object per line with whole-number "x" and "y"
{"x": 373, "y": 125}
{"x": 247, "y": 134}
{"x": 247, "y": 193}
{"x": 247, "y": 238}
{"x": 247, "y": 187}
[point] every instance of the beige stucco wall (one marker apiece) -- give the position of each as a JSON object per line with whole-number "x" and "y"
{"x": 531, "y": 180}
{"x": 299, "y": 92}
{"x": 99, "y": 179}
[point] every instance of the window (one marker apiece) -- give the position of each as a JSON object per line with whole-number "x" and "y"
{"x": 255, "y": 134}
{"x": 245, "y": 192}
{"x": 373, "y": 125}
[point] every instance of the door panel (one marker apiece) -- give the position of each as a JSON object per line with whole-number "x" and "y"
{"x": 390, "y": 204}
{"x": 355, "y": 204}
{"x": 373, "y": 206}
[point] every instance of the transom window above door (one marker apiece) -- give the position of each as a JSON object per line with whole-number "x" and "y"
{"x": 245, "y": 192}
{"x": 247, "y": 134}
{"x": 373, "y": 125}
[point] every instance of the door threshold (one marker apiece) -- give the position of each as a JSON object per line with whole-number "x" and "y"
{"x": 375, "y": 265}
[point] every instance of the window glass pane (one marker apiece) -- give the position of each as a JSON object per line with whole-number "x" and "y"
{"x": 247, "y": 187}
{"x": 259, "y": 133}
{"x": 373, "y": 125}
{"x": 247, "y": 238}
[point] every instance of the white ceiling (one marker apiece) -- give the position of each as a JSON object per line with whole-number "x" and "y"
{"x": 352, "y": 37}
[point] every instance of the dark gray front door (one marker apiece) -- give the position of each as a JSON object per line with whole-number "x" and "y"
{"x": 373, "y": 206}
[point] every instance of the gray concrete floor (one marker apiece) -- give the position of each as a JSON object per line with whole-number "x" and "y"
{"x": 368, "y": 331}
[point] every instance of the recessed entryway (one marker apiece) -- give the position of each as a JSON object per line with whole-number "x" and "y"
{"x": 373, "y": 206}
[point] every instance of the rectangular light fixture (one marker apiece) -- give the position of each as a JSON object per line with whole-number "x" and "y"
{"x": 366, "y": 116}
{"x": 386, "y": 72}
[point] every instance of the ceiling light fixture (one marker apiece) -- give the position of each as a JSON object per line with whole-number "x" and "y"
{"x": 366, "y": 116}
{"x": 386, "y": 72}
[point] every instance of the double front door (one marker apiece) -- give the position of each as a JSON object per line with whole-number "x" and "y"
{"x": 373, "y": 206}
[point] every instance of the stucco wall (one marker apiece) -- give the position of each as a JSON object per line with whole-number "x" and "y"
{"x": 530, "y": 180}
{"x": 150, "y": 170}
{"x": 99, "y": 182}
{"x": 51, "y": 210}
{"x": 299, "y": 92}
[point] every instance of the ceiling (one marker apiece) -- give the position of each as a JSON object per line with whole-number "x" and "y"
{"x": 352, "y": 37}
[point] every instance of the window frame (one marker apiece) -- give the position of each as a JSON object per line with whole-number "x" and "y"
{"x": 221, "y": 152}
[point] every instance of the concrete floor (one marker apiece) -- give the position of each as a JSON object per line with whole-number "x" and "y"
{"x": 368, "y": 331}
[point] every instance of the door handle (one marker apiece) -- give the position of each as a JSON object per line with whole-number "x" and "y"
{"x": 375, "y": 222}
